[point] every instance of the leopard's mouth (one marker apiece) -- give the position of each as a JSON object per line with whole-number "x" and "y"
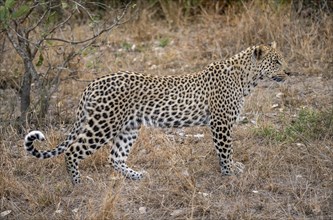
{"x": 278, "y": 78}
{"x": 281, "y": 78}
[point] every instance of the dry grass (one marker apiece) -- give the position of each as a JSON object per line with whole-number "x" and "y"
{"x": 288, "y": 172}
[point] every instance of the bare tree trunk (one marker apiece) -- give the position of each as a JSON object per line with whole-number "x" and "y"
{"x": 25, "y": 91}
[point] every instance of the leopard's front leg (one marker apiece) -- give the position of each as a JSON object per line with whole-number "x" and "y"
{"x": 221, "y": 128}
{"x": 223, "y": 144}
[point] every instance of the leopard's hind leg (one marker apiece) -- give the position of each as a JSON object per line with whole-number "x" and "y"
{"x": 88, "y": 142}
{"x": 120, "y": 150}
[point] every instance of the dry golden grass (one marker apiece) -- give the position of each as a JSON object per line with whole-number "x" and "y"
{"x": 288, "y": 175}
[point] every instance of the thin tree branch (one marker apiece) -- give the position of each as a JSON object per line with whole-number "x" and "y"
{"x": 99, "y": 4}
{"x": 32, "y": 8}
{"x": 38, "y": 22}
{"x": 87, "y": 11}
{"x": 37, "y": 45}
{"x": 115, "y": 23}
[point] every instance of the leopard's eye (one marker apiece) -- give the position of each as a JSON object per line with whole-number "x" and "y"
{"x": 278, "y": 62}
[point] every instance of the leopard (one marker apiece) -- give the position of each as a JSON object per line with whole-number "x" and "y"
{"x": 114, "y": 107}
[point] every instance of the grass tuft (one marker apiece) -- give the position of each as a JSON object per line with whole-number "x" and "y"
{"x": 309, "y": 125}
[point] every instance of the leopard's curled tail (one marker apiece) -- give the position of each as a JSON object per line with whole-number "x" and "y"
{"x": 37, "y": 135}
{"x": 71, "y": 137}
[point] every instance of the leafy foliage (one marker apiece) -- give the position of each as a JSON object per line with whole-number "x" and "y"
{"x": 8, "y": 12}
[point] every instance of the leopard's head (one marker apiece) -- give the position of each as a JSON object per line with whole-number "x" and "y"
{"x": 269, "y": 63}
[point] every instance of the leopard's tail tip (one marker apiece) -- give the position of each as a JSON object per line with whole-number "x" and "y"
{"x": 29, "y": 140}
{"x": 34, "y": 135}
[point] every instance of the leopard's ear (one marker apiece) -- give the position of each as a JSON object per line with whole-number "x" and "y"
{"x": 259, "y": 52}
{"x": 272, "y": 45}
